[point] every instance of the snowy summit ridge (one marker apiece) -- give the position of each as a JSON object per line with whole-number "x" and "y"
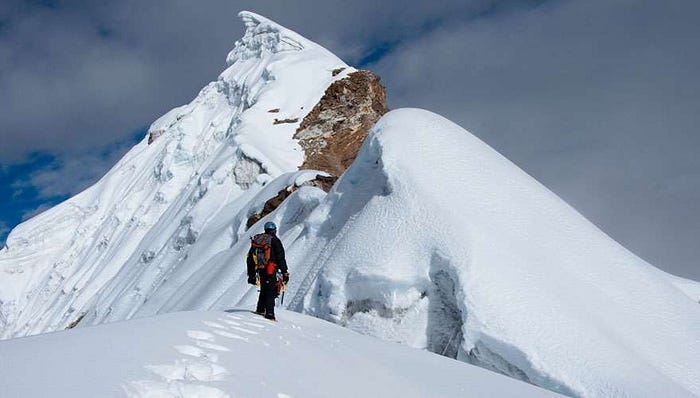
{"x": 144, "y": 215}
{"x": 455, "y": 249}
{"x": 263, "y": 35}
{"x": 430, "y": 238}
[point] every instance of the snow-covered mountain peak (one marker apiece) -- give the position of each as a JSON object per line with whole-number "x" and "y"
{"x": 430, "y": 237}
{"x": 274, "y": 77}
{"x": 263, "y": 35}
{"x": 155, "y": 203}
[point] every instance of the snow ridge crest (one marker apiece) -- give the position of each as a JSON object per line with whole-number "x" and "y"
{"x": 264, "y": 36}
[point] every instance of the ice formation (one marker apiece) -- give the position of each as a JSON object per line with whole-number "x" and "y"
{"x": 431, "y": 239}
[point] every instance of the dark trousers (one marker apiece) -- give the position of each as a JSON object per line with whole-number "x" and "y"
{"x": 266, "y": 300}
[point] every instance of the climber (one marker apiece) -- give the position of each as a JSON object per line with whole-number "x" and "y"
{"x": 265, "y": 258}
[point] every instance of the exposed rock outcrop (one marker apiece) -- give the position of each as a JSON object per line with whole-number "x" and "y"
{"x": 153, "y": 135}
{"x": 280, "y": 121}
{"x": 332, "y": 133}
{"x": 77, "y": 321}
{"x": 321, "y": 181}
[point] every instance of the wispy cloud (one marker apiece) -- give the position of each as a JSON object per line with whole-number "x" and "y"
{"x": 79, "y": 75}
{"x": 4, "y": 230}
{"x": 599, "y": 100}
{"x": 68, "y": 175}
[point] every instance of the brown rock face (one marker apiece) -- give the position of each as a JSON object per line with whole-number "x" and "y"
{"x": 270, "y": 206}
{"x": 77, "y": 321}
{"x": 321, "y": 181}
{"x": 280, "y": 121}
{"x": 332, "y": 133}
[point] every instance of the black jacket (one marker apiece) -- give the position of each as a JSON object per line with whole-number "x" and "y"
{"x": 276, "y": 256}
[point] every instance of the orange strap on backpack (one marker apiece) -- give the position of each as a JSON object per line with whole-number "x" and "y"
{"x": 271, "y": 268}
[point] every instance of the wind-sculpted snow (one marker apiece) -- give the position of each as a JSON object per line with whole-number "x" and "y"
{"x": 430, "y": 239}
{"x": 127, "y": 234}
{"x": 213, "y": 274}
{"x": 235, "y": 354}
{"x": 434, "y": 240}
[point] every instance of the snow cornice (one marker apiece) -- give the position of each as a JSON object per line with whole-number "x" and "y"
{"x": 263, "y": 35}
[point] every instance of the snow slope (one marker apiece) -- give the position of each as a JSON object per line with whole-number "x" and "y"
{"x": 235, "y": 354}
{"x": 495, "y": 268}
{"x": 689, "y": 287}
{"x": 435, "y": 240}
{"x": 430, "y": 239}
{"x": 159, "y": 199}
{"x": 454, "y": 249}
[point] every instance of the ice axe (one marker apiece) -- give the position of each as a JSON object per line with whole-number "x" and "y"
{"x": 281, "y": 287}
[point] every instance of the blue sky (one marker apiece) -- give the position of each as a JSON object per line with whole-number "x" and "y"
{"x": 17, "y": 201}
{"x": 599, "y": 100}
{"x": 42, "y": 180}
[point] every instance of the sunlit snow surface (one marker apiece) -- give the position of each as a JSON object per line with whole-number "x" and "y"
{"x": 235, "y": 354}
{"x": 435, "y": 240}
{"x": 430, "y": 239}
{"x": 135, "y": 228}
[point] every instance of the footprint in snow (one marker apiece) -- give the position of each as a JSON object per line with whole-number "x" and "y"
{"x": 149, "y": 389}
{"x": 251, "y": 318}
{"x": 240, "y": 329}
{"x": 185, "y": 376}
{"x": 200, "y": 335}
{"x": 214, "y": 324}
{"x": 262, "y": 322}
{"x": 230, "y": 335}
{"x": 211, "y": 346}
{"x": 230, "y": 323}
{"x": 189, "y": 370}
{"x": 196, "y": 352}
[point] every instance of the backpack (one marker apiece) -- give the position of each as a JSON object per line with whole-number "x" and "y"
{"x": 261, "y": 247}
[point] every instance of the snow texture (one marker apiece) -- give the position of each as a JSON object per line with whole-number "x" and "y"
{"x": 166, "y": 208}
{"x": 235, "y": 354}
{"x": 687, "y": 286}
{"x": 430, "y": 239}
{"x": 435, "y": 240}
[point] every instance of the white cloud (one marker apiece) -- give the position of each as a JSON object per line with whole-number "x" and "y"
{"x": 69, "y": 175}
{"x": 598, "y": 100}
{"x": 81, "y": 75}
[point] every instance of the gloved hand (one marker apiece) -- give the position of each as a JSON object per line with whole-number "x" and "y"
{"x": 251, "y": 280}
{"x": 285, "y": 277}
